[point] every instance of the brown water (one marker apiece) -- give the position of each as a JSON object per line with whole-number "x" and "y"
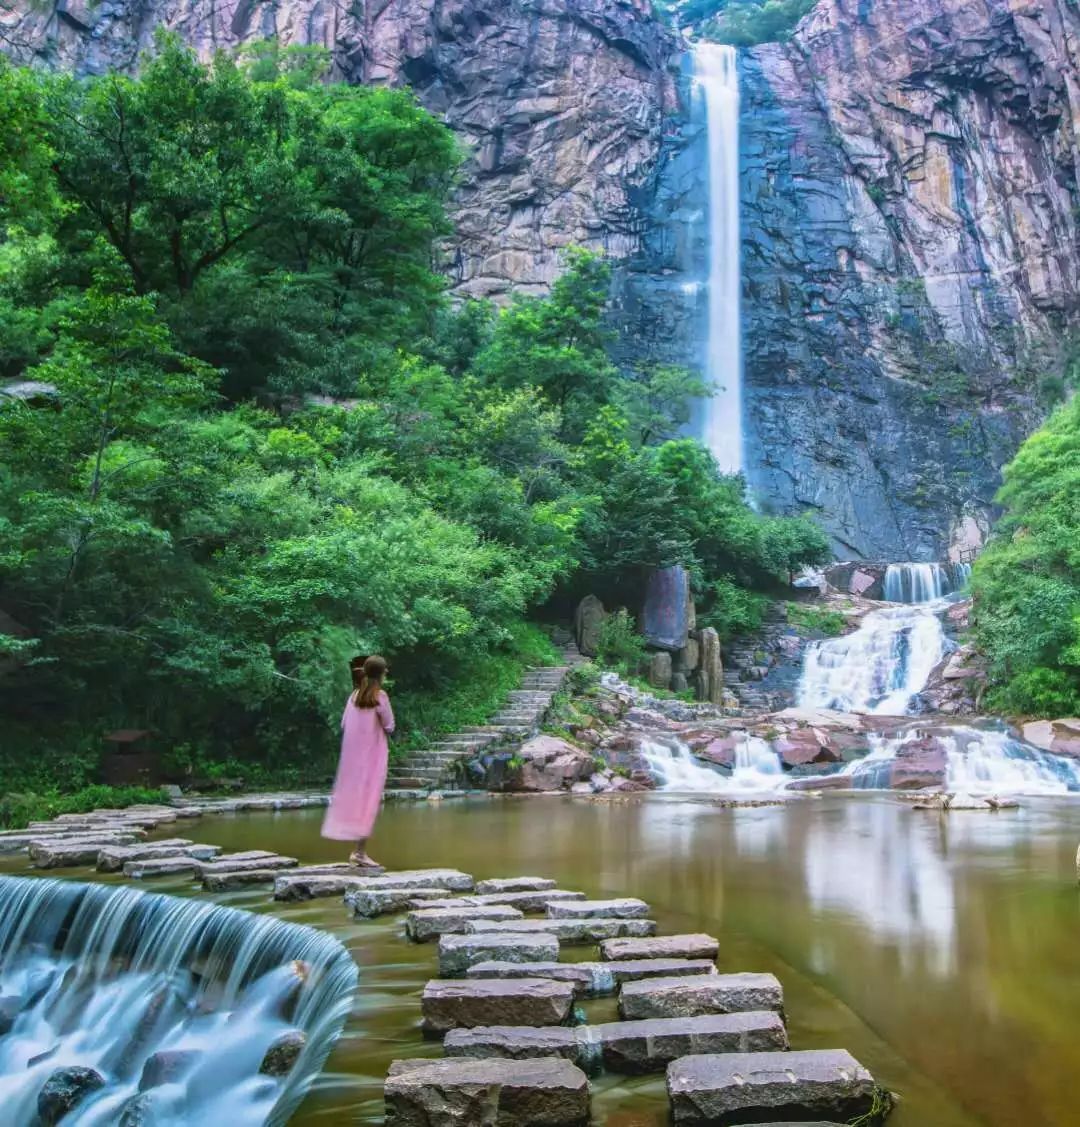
{"x": 940, "y": 949}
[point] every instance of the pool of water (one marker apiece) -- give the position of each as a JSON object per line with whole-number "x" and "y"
{"x": 939, "y": 949}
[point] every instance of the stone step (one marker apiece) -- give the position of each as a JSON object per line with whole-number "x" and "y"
{"x": 693, "y": 946}
{"x": 405, "y": 783}
{"x": 823, "y": 1084}
{"x": 308, "y": 887}
{"x": 514, "y": 884}
{"x": 626, "y": 908}
{"x": 367, "y": 904}
{"x": 459, "y": 952}
{"x": 61, "y": 853}
{"x": 524, "y": 901}
{"x": 113, "y": 858}
{"x": 595, "y": 979}
{"x": 425, "y": 924}
{"x": 176, "y": 866}
{"x": 244, "y": 862}
{"x": 629, "y": 1047}
{"x": 693, "y": 995}
{"x": 467, "y": 1003}
{"x": 572, "y": 930}
{"x": 528, "y": 1093}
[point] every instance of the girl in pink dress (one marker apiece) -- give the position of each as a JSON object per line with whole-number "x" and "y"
{"x": 361, "y": 775}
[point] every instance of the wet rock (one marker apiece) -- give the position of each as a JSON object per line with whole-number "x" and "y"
{"x": 61, "y": 853}
{"x": 166, "y": 1067}
{"x": 582, "y": 976}
{"x": 63, "y": 1091}
{"x": 740, "y": 1087}
{"x": 497, "y": 885}
{"x": 238, "y": 878}
{"x": 658, "y": 672}
{"x": 689, "y": 996}
{"x": 665, "y": 621}
{"x": 283, "y": 1053}
{"x": 523, "y": 901}
{"x": 549, "y": 763}
{"x": 1060, "y": 737}
{"x": 10, "y": 1007}
{"x": 308, "y": 886}
{"x": 459, "y": 952}
{"x": 692, "y": 946}
{"x": 113, "y": 858}
{"x": 570, "y": 930}
{"x": 516, "y": 1042}
{"x": 467, "y": 1003}
{"x": 369, "y": 904}
{"x": 801, "y": 746}
{"x": 429, "y": 923}
{"x": 626, "y": 908}
{"x": 243, "y": 862}
{"x": 138, "y": 1111}
{"x": 540, "y": 1092}
{"x": 588, "y": 618}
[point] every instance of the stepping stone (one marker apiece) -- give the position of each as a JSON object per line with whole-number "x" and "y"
{"x": 690, "y": 996}
{"x": 524, "y": 901}
{"x": 243, "y": 862}
{"x": 306, "y": 888}
{"x": 66, "y": 853}
{"x": 312, "y": 886}
{"x": 624, "y": 909}
{"x": 366, "y": 905}
{"x": 514, "y": 884}
{"x": 113, "y": 858}
{"x": 663, "y": 947}
{"x": 572, "y": 930}
{"x": 459, "y": 952}
{"x": 174, "y": 866}
{"x": 242, "y": 877}
{"x": 756, "y": 1087}
{"x": 447, "y": 1005}
{"x": 629, "y": 1047}
{"x": 430, "y": 923}
{"x": 595, "y": 979}
{"x": 527, "y": 1093}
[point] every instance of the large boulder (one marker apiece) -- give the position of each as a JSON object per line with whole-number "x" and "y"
{"x": 659, "y": 671}
{"x": 665, "y": 618}
{"x": 920, "y": 763}
{"x": 550, "y": 763}
{"x": 1061, "y": 737}
{"x": 588, "y": 618}
{"x": 65, "y": 1088}
{"x": 806, "y": 745}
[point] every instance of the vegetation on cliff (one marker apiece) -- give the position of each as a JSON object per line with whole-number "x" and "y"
{"x": 245, "y": 435}
{"x": 743, "y": 23}
{"x": 1027, "y": 582}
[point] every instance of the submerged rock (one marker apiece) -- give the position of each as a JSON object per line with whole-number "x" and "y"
{"x": 283, "y": 1053}
{"x": 63, "y": 1090}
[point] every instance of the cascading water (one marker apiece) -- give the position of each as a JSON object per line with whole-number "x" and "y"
{"x": 756, "y": 767}
{"x": 173, "y": 1004}
{"x": 923, "y": 582}
{"x": 716, "y": 76}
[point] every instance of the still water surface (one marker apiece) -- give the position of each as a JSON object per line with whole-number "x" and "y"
{"x": 940, "y": 949}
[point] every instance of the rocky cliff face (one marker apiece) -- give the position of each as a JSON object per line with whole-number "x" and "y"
{"x": 910, "y": 201}
{"x": 911, "y": 258}
{"x": 560, "y": 103}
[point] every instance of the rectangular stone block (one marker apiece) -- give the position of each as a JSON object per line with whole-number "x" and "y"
{"x": 736, "y": 1088}
{"x": 459, "y": 952}
{"x": 523, "y": 901}
{"x": 113, "y": 858}
{"x": 232, "y": 879}
{"x": 308, "y": 888}
{"x": 514, "y": 884}
{"x": 627, "y": 908}
{"x": 695, "y": 946}
{"x": 572, "y": 930}
{"x": 486, "y": 1093}
{"x": 633, "y": 1047}
{"x": 162, "y": 867}
{"x": 241, "y": 862}
{"x": 65, "y": 854}
{"x": 515, "y": 1042}
{"x": 367, "y": 904}
{"x": 692, "y": 995}
{"x": 447, "y": 1005}
{"x": 594, "y": 979}
{"x": 429, "y": 923}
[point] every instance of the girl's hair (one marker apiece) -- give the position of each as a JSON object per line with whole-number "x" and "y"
{"x": 367, "y": 675}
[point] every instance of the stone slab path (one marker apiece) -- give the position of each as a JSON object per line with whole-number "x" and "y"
{"x": 505, "y": 1004}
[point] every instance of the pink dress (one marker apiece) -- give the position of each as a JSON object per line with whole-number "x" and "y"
{"x": 361, "y": 773}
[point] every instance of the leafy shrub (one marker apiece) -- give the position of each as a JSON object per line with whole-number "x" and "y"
{"x": 818, "y": 620}
{"x": 731, "y": 609}
{"x": 620, "y": 646}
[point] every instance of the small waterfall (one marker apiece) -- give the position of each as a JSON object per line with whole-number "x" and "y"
{"x": 173, "y": 1003}
{"x": 756, "y": 768}
{"x": 924, "y": 582}
{"x": 716, "y": 76}
{"x": 880, "y": 667}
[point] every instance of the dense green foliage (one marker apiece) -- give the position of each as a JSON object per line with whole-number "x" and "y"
{"x": 1026, "y": 583}
{"x": 271, "y": 442}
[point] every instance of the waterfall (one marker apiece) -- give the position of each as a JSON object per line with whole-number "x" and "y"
{"x": 716, "y": 76}
{"x": 880, "y": 667}
{"x": 756, "y": 768}
{"x": 923, "y": 582}
{"x": 977, "y": 762}
{"x": 172, "y": 1003}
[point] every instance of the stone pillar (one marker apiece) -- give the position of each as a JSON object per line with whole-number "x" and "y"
{"x": 588, "y": 618}
{"x": 660, "y": 669}
{"x": 711, "y": 681}
{"x": 665, "y": 617}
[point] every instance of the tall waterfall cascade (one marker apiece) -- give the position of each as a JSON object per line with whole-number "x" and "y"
{"x": 882, "y": 666}
{"x": 171, "y": 1005}
{"x": 717, "y": 81}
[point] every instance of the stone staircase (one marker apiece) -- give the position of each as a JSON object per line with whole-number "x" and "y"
{"x": 520, "y": 717}
{"x": 749, "y": 660}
